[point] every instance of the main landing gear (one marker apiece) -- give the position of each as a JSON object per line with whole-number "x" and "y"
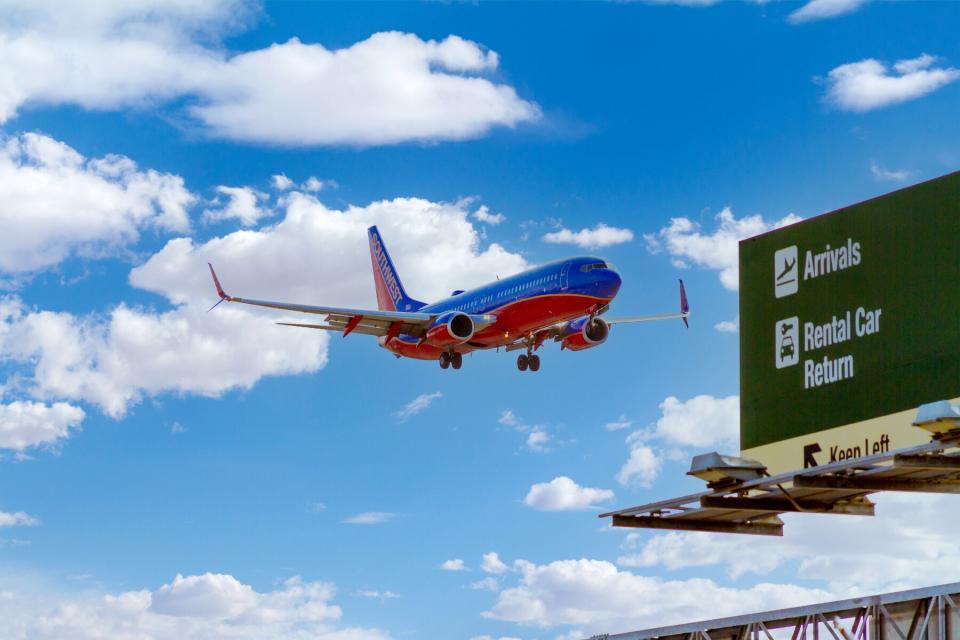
{"x": 528, "y": 361}
{"x": 447, "y": 359}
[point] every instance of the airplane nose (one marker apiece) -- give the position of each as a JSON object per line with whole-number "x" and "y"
{"x": 609, "y": 283}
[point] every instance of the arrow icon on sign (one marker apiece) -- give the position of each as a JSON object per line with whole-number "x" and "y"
{"x": 808, "y": 451}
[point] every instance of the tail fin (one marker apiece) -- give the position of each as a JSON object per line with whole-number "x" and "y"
{"x": 390, "y": 293}
{"x": 684, "y": 305}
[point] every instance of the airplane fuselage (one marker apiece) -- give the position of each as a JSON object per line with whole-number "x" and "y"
{"x": 523, "y": 304}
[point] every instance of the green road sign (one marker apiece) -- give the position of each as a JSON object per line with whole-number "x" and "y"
{"x": 847, "y": 320}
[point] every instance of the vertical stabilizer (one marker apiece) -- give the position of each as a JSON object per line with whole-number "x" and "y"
{"x": 390, "y": 293}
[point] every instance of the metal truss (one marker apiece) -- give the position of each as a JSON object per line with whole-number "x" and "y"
{"x": 919, "y": 614}
{"x": 839, "y": 488}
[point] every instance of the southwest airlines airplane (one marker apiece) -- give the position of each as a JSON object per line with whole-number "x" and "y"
{"x": 561, "y": 300}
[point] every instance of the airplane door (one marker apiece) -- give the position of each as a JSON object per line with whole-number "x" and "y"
{"x": 564, "y": 272}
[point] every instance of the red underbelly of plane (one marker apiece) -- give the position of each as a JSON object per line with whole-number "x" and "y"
{"x": 513, "y": 321}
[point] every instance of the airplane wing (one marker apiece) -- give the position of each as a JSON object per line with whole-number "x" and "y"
{"x": 363, "y": 321}
{"x": 683, "y": 315}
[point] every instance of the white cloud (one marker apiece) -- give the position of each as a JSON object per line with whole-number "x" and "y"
{"x": 537, "y": 439}
{"x": 537, "y": 435}
{"x": 421, "y": 403}
{"x": 563, "y": 494}
{"x": 596, "y": 238}
{"x": 485, "y": 584}
{"x": 373, "y": 594}
{"x": 455, "y": 564}
{"x": 189, "y": 608}
{"x": 643, "y": 465}
{"x": 701, "y": 421}
{"x": 483, "y": 215}
{"x": 314, "y": 185}
{"x": 433, "y": 245}
{"x": 370, "y": 517}
{"x": 17, "y": 519}
{"x": 54, "y": 202}
{"x": 870, "y": 84}
{"x": 822, "y": 9}
{"x": 29, "y": 424}
{"x": 618, "y": 424}
{"x": 684, "y": 241}
{"x": 728, "y": 326}
{"x": 598, "y": 597}
{"x": 243, "y": 204}
{"x": 390, "y": 88}
{"x": 281, "y": 182}
{"x": 889, "y": 175}
{"x": 492, "y": 563}
{"x": 210, "y": 595}
{"x": 116, "y": 358}
{"x": 114, "y": 361}
{"x": 509, "y": 419}
{"x": 912, "y": 543}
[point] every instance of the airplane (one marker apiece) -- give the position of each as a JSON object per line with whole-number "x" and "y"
{"x": 561, "y": 300}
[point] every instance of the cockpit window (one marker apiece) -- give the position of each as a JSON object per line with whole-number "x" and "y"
{"x": 594, "y": 265}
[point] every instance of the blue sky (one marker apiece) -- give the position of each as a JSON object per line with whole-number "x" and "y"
{"x": 174, "y": 473}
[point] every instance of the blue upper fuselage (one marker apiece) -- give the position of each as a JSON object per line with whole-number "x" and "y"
{"x": 587, "y": 276}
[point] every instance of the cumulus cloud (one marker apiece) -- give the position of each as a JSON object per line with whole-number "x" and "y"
{"x": 823, "y": 9}
{"x": 643, "y": 464}
{"x": 243, "y": 204}
{"x": 17, "y": 519}
{"x": 370, "y": 517}
{"x": 728, "y": 326}
{"x": 684, "y": 240}
{"x": 390, "y": 88}
{"x": 189, "y": 608}
{"x": 421, "y": 403}
{"x": 538, "y": 437}
{"x": 373, "y": 594}
{"x": 29, "y": 424}
{"x": 618, "y": 424}
{"x": 281, "y": 182}
{"x": 596, "y": 238}
{"x": 870, "y": 84}
{"x": 889, "y": 175}
{"x": 54, "y": 202}
{"x": 492, "y": 563}
{"x": 485, "y": 584}
{"x": 700, "y": 422}
{"x": 314, "y": 184}
{"x": 455, "y": 564}
{"x": 482, "y": 214}
{"x": 598, "y": 597}
{"x": 320, "y": 255}
{"x": 897, "y": 555}
{"x": 114, "y": 359}
{"x": 563, "y": 494}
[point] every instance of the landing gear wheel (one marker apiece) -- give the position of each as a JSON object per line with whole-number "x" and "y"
{"x": 522, "y": 362}
{"x": 533, "y": 362}
{"x": 456, "y": 360}
{"x": 444, "y": 360}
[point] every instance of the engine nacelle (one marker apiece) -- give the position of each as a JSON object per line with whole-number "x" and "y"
{"x": 449, "y": 329}
{"x": 584, "y": 333}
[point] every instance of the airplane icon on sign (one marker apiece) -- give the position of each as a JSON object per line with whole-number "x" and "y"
{"x": 785, "y": 272}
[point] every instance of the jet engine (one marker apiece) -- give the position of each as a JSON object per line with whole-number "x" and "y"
{"x": 584, "y": 333}
{"x": 449, "y": 329}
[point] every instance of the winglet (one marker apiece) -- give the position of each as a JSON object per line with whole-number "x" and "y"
{"x": 684, "y": 305}
{"x": 216, "y": 283}
{"x": 220, "y": 291}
